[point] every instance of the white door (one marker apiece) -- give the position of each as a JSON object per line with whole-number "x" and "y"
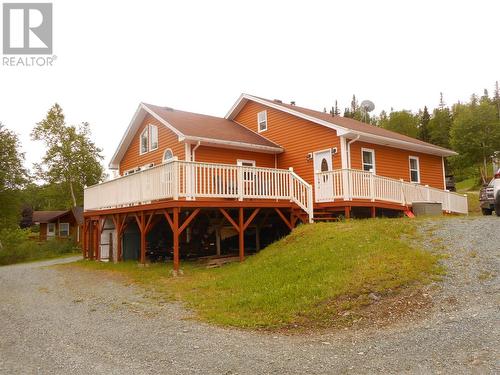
{"x": 323, "y": 182}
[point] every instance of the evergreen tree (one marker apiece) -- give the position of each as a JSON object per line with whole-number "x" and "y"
{"x": 496, "y": 98}
{"x": 423, "y": 129}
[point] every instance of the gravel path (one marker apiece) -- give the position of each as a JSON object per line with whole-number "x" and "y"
{"x": 56, "y": 321}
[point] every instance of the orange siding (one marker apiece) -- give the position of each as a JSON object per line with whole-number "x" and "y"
{"x": 297, "y": 136}
{"x": 228, "y": 156}
{"x": 394, "y": 163}
{"x": 166, "y": 139}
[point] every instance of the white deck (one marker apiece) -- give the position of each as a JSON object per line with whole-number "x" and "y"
{"x": 192, "y": 180}
{"x": 351, "y": 184}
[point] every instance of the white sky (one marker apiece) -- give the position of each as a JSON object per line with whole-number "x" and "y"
{"x": 200, "y": 55}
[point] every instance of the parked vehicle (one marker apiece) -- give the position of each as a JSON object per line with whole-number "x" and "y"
{"x": 496, "y": 192}
{"x": 489, "y": 196}
{"x": 450, "y": 183}
{"x": 487, "y": 199}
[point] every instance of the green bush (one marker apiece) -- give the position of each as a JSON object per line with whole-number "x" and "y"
{"x": 16, "y": 247}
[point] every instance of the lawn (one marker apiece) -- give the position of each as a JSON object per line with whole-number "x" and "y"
{"x": 299, "y": 279}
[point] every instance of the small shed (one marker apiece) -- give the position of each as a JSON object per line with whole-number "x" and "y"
{"x": 60, "y": 224}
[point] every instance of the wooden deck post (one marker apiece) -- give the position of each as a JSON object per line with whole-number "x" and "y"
{"x": 84, "y": 239}
{"x": 175, "y": 231}
{"x": 241, "y": 223}
{"x": 373, "y": 211}
{"x": 347, "y": 212}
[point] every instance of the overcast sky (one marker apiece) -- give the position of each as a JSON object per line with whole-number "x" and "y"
{"x": 200, "y": 55}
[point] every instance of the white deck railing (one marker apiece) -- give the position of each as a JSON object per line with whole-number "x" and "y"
{"x": 348, "y": 184}
{"x": 190, "y": 180}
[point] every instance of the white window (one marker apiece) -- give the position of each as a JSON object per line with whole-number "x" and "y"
{"x": 153, "y": 135}
{"x": 144, "y": 141}
{"x": 51, "y": 229}
{"x": 368, "y": 159}
{"x": 247, "y": 176}
{"x": 262, "y": 121}
{"x": 414, "y": 169}
{"x": 63, "y": 229}
{"x": 168, "y": 154}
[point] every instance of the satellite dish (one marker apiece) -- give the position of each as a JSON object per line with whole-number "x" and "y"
{"x": 367, "y": 105}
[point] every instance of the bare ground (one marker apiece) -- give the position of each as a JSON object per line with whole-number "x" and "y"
{"x": 64, "y": 320}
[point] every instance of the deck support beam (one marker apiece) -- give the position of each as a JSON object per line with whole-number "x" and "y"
{"x": 347, "y": 212}
{"x": 285, "y": 220}
{"x": 373, "y": 211}
{"x": 177, "y": 230}
{"x": 241, "y": 241}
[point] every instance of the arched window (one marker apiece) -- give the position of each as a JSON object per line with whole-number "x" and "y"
{"x": 168, "y": 154}
{"x": 324, "y": 165}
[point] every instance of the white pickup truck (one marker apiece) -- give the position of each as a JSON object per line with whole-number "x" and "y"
{"x": 496, "y": 192}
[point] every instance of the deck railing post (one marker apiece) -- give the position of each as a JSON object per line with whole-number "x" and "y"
{"x": 428, "y": 193}
{"x": 372, "y": 186}
{"x": 403, "y": 200}
{"x": 175, "y": 180}
{"x": 241, "y": 192}
{"x": 290, "y": 183}
{"x": 346, "y": 184}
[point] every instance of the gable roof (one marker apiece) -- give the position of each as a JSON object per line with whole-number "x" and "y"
{"x": 46, "y": 216}
{"x": 344, "y": 126}
{"x": 193, "y": 128}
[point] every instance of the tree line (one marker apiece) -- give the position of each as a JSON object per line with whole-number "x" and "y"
{"x": 71, "y": 161}
{"x": 470, "y": 128}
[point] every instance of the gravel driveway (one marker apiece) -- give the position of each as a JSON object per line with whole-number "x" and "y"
{"x": 56, "y": 320}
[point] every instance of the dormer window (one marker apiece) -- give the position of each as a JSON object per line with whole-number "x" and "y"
{"x": 262, "y": 121}
{"x": 149, "y": 139}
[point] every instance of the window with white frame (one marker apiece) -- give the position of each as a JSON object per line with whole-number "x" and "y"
{"x": 414, "y": 169}
{"x": 247, "y": 176}
{"x": 63, "y": 229}
{"x": 149, "y": 139}
{"x": 145, "y": 140}
{"x": 51, "y": 229}
{"x": 368, "y": 159}
{"x": 262, "y": 121}
{"x": 168, "y": 154}
{"x": 153, "y": 135}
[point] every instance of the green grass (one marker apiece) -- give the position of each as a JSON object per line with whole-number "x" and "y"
{"x": 17, "y": 247}
{"x": 468, "y": 184}
{"x": 304, "y": 279}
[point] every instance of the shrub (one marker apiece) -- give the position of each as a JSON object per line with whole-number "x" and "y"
{"x": 16, "y": 247}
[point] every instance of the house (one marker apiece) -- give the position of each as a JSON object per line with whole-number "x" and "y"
{"x": 60, "y": 224}
{"x": 196, "y": 184}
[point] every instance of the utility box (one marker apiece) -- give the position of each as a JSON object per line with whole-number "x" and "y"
{"x": 427, "y": 208}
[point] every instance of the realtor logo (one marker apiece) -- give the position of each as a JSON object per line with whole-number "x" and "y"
{"x": 27, "y": 28}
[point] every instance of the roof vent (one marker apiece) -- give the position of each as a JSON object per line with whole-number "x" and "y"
{"x": 278, "y": 101}
{"x": 292, "y": 102}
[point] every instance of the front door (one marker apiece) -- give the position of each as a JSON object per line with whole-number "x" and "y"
{"x": 323, "y": 182}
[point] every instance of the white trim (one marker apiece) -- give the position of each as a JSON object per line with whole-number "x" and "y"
{"x": 418, "y": 168}
{"x": 444, "y": 173}
{"x": 234, "y": 144}
{"x": 150, "y": 127}
{"x": 164, "y": 152}
{"x": 241, "y": 161}
{"x": 60, "y": 235}
{"x": 187, "y": 152}
{"x": 239, "y": 104}
{"x": 372, "y": 151}
{"x": 259, "y": 121}
{"x": 343, "y": 152}
{"x": 161, "y": 120}
{"x": 51, "y": 233}
{"x": 396, "y": 143}
{"x": 146, "y": 129}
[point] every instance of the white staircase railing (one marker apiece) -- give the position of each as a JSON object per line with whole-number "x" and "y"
{"x": 348, "y": 184}
{"x": 190, "y": 180}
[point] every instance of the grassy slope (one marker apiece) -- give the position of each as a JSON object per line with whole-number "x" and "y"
{"x": 291, "y": 281}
